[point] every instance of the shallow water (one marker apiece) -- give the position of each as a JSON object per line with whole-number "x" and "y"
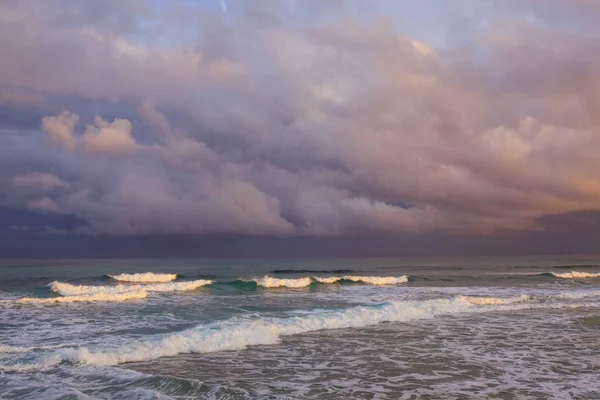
{"x": 226, "y": 329}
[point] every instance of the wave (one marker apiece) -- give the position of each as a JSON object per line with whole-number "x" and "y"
{"x": 148, "y": 277}
{"x": 100, "y": 297}
{"x": 312, "y": 271}
{"x": 269, "y": 282}
{"x": 575, "y": 275}
{"x": 239, "y": 333}
{"x": 68, "y": 289}
{"x": 371, "y": 280}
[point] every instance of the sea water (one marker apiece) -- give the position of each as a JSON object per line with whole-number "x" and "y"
{"x": 526, "y": 328}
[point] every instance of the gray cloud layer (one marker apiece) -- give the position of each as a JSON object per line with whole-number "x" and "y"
{"x": 264, "y": 121}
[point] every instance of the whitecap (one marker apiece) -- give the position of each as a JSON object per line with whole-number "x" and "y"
{"x": 149, "y": 277}
{"x": 68, "y": 289}
{"x": 575, "y": 275}
{"x": 275, "y": 282}
{"x": 239, "y": 333}
{"x": 102, "y": 297}
{"x": 370, "y": 280}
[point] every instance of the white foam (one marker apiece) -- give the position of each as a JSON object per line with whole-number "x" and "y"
{"x": 371, "y": 280}
{"x": 575, "y": 275}
{"x": 103, "y": 297}
{"x": 6, "y": 349}
{"x": 239, "y": 333}
{"x": 15, "y": 349}
{"x": 274, "y": 282}
{"x": 270, "y": 282}
{"x": 67, "y": 289}
{"x": 146, "y": 277}
{"x": 496, "y": 300}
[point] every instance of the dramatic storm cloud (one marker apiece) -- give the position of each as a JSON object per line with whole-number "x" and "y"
{"x": 295, "y": 118}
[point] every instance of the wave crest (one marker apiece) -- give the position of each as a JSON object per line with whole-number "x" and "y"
{"x": 102, "y": 297}
{"x": 575, "y": 275}
{"x": 371, "y": 280}
{"x": 237, "y": 334}
{"x": 269, "y": 282}
{"x": 68, "y": 289}
{"x": 148, "y": 277}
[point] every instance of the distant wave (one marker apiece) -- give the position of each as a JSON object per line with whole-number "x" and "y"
{"x": 312, "y": 271}
{"x": 100, "y": 297}
{"x": 370, "y": 280}
{"x": 146, "y": 277}
{"x": 270, "y": 282}
{"x": 239, "y": 333}
{"x": 575, "y": 275}
{"x": 68, "y": 289}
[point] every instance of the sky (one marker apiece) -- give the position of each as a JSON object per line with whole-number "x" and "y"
{"x": 299, "y": 127}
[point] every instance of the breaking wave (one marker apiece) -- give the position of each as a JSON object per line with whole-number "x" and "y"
{"x": 102, "y": 297}
{"x": 371, "y": 280}
{"x": 575, "y": 275}
{"x": 239, "y": 333}
{"x": 312, "y": 271}
{"x": 68, "y": 289}
{"x": 146, "y": 277}
{"x": 270, "y": 282}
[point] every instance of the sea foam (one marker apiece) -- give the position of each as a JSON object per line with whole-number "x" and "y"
{"x": 101, "y": 297}
{"x": 146, "y": 277}
{"x": 483, "y": 301}
{"x": 68, "y": 289}
{"x": 575, "y": 275}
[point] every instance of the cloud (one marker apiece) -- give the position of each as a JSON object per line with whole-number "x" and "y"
{"x": 105, "y": 137}
{"x": 21, "y": 98}
{"x": 102, "y": 137}
{"x": 60, "y": 128}
{"x": 43, "y": 204}
{"x": 265, "y": 123}
{"x": 39, "y": 181}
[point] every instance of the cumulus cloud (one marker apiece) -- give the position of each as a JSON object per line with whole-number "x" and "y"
{"x": 101, "y": 137}
{"x": 337, "y": 124}
{"x": 60, "y": 128}
{"x": 105, "y": 137}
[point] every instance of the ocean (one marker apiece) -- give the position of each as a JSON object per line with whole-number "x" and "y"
{"x": 422, "y": 328}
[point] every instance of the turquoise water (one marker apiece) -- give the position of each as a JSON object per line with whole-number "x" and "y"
{"x": 301, "y": 329}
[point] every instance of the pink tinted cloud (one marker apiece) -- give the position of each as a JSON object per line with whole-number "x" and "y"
{"x": 343, "y": 126}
